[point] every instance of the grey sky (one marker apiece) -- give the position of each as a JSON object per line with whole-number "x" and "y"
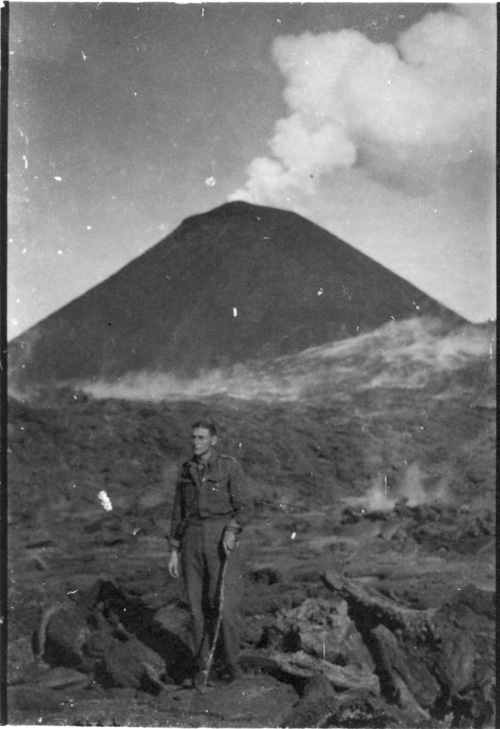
{"x": 127, "y": 118}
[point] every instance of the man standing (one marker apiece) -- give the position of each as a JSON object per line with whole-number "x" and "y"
{"x": 210, "y": 510}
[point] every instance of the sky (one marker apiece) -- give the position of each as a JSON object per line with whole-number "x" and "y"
{"x": 376, "y": 121}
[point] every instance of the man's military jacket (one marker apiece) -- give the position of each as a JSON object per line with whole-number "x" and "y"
{"x": 207, "y": 490}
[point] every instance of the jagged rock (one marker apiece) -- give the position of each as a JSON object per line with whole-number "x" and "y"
{"x": 457, "y": 660}
{"x": 303, "y": 665}
{"x": 318, "y": 687}
{"x": 311, "y": 713}
{"x": 173, "y": 618}
{"x": 374, "y": 609}
{"x": 354, "y": 650}
{"x": 317, "y": 703}
{"x": 61, "y": 636}
{"x": 390, "y": 529}
{"x": 131, "y": 664}
{"x": 464, "y": 631}
{"x": 400, "y": 665}
{"x": 84, "y": 589}
{"x": 437, "y": 659}
{"x": 60, "y": 678}
{"x": 321, "y": 628}
{"x": 267, "y": 575}
{"x": 361, "y": 709}
{"x": 352, "y": 708}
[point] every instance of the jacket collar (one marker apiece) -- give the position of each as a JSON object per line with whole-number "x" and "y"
{"x": 214, "y": 457}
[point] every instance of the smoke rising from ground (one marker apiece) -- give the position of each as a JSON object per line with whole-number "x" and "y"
{"x": 411, "y": 491}
{"x": 410, "y": 114}
{"x": 406, "y": 354}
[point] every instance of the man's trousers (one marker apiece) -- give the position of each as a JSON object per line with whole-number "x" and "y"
{"x": 202, "y": 558}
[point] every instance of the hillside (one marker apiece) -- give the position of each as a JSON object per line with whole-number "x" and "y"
{"x": 326, "y": 420}
{"x": 371, "y": 469}
{"x": 238, "y": 283}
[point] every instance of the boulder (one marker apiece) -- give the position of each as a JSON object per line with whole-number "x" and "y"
{"x": 402, "y": 670}
{"x": 131, "y": 664}
{"x": 437, "y": 660}
{"x": 84, "y": 590}
{"x": 62, "y": 634}
{"x": 301, "y": 665}
{"x": 62, "y": 678}
{"x": 464, "y": 630}
{"x": 361, "y": 709}
{"x": 317, "y": 703}
{"x": 321, "y": 628}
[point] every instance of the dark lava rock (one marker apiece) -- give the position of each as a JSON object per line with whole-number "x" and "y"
{"x": 131, "y": 664}
{"x": 62, "y": 635}
{"x": 465, "y": 661}
{"x": 432, "y": 663}
{"x": 266, "y": 575}
{"x": 62, "y": 678}
{"x": 317, "y": 703}
{"x": 84, "y": 590}
{"x": 359, "y": 709}
{"x": 398, "y": 661}
{"x": 479, "y": 601}
{"x": 321, "y": 628}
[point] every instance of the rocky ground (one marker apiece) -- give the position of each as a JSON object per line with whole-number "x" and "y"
{"x": 370, "y": 561}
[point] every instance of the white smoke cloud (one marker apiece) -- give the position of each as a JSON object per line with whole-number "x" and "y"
{"x": 405, "y": 354}
{"x": 405, "y": 113}
{"x": 411, "y": 491}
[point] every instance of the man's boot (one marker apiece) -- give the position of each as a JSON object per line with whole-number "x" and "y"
{"x": 201, "y": 681}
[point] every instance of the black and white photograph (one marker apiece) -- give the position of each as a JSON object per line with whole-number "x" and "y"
{"x": 251, "y": 364}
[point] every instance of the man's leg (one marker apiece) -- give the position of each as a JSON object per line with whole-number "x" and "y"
{"x": 232, "y": 591}
{"x": 194, "y": 573}
{"x": 231, "y": 619}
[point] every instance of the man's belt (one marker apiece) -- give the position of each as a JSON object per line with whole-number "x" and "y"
{"x": 194, "y": 518}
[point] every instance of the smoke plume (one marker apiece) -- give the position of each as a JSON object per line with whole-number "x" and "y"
{"x": 411, "y": 491}
{"x": 408, "y": 114}
{"x": 407, "y": 354}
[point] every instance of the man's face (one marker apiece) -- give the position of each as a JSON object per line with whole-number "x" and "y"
{"x": 203, "y": 442}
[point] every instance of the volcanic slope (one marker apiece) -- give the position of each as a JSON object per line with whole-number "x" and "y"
{"x": 370, "y": 558}
{"x": 238, "y": 283}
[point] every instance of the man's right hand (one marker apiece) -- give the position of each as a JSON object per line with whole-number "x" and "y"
{"x": 173, "y": 563}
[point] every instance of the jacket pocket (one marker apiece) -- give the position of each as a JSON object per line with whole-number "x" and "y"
{"x": 217, "y": 494}
{"x": 213, "y": 484}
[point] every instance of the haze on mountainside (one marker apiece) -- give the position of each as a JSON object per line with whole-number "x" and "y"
{"x": 236, "y": 284}
{"x": 413, "y": 354}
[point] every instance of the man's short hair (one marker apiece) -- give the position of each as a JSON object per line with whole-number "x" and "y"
{"x": 207, "y": 425}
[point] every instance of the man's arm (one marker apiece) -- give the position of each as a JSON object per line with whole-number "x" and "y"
{"x": 176, "y": 523}
{"x": 173, "y": 563}
{"x": 174, "y": 537}
{"x": 176, "y": 528}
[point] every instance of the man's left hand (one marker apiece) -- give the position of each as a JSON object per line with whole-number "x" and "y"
{"x": 228, "y": 541}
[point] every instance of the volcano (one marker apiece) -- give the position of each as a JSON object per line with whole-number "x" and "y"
{"x": 238, "y": 283}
